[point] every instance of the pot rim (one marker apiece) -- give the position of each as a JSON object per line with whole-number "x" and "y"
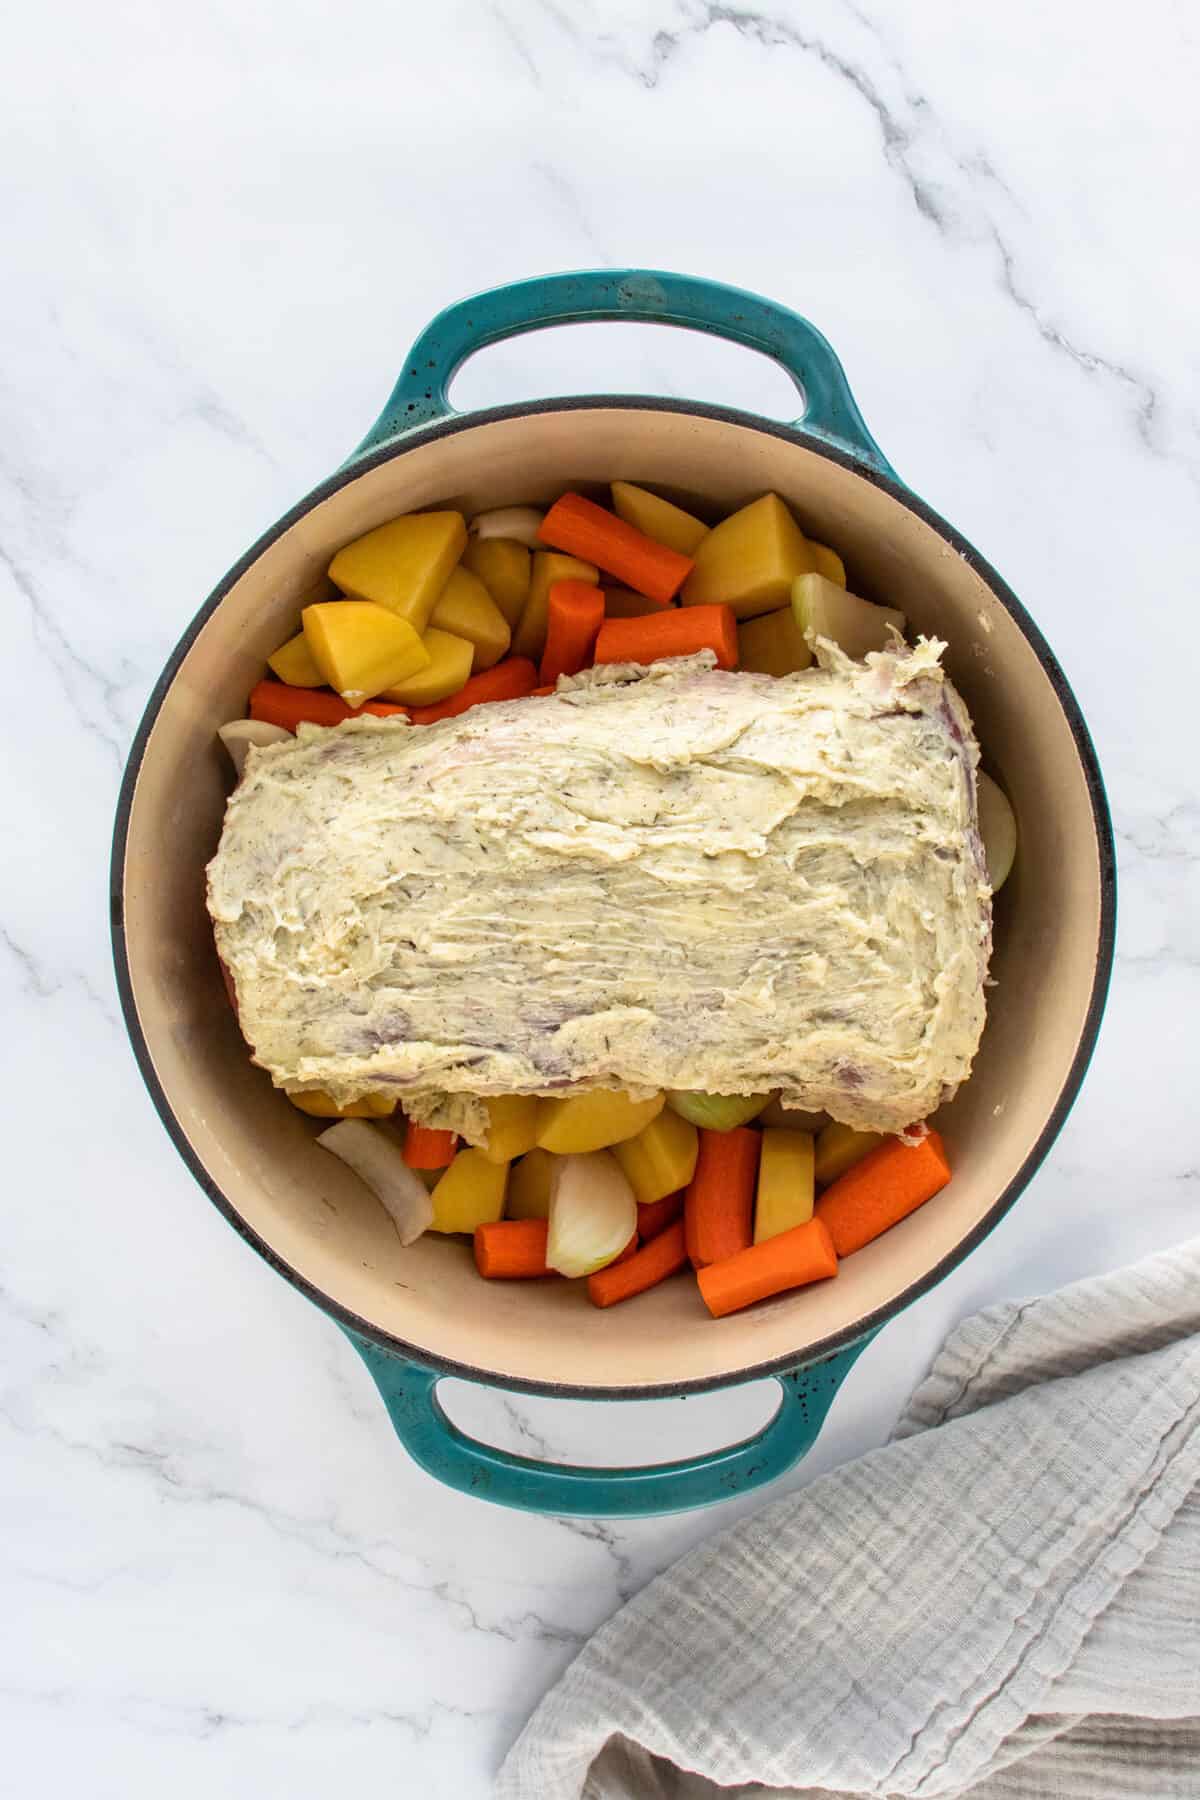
{"x": 1101, "y": 820}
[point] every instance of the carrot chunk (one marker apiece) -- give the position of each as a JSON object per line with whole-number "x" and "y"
{"x": 587, "y": 531}
{"x": 718, "y": 1208}
{"x": 795, "y": 1257}
{"x": 574, "y": 615}
{"x": 512, "y": 1249}
{"x": 888, "y": 1184}
{"x": 680, "y": 631}
{"x": 655, "y": 1215}
{"x": 278, "y": 704}
{"x": 425, "y": 1149}
{"x": 653, "y": 1263}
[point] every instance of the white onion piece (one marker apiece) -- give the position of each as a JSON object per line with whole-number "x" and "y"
{"x": 997, "y": 828}
{"x": 376, "y": 1159}
{"x": 242, "y": 735}
{"x": 517, "y": 522}
{"x": 593, "y": 1213}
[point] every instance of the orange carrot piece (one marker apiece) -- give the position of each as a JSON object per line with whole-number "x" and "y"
{"x": 718, "y": 1208}
{"x": 653, "y": 1263}
{"x": 276, "y": 703}
{"x": 425, "y": 1149}
{"x": 790, "y": 1260}
{"x": 656, "y": 1215}
{"x": 511, "y": 679}
{"x": 512, "y": 1250}
{"x": 680, "y": 631}
{"x": 574, "y": 615}
{"x": 535, "y": 693}
{"x": 890, "y": 1182}
{"x": 586, "y": 530}
{"x": 630, "y": 1250}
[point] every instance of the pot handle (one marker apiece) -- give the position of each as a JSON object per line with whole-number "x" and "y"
{"x": 437, "y": 1445}
{"x": 643, "y": 296}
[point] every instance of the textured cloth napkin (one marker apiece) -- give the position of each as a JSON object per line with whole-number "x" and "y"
{"x": 1004, "y": 1601}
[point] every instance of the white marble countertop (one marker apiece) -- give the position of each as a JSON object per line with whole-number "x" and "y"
{"x": 223, "y": 224}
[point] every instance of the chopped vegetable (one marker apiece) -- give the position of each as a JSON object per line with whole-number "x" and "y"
{"x": 293, "y": 663}
{"x": 656, "y": 1216}
{"x": 375, "y": 1157}
{"x": 582, "y": 528}
{"x": 426, "y": 1149}
{"x": 465, "y": 608}
{"x": 750, "y": 560}
{"x": 661, "y": 1159}
{"x": 529, "y": 639}
{"x": 529, "y": 1184}
{"x": 823, "y": 610}
{"x": 717, "y": 1112}
{"x": 997, "y": 828}
{"x": 623, "y": 603}
{"x": 839, "y": 1147}
{"x": 512, "y": 1250}
{"x": 593, "y": 1213}
{"x": 773, "y": 644}
{"x": 517, "y": 522}
{"x": 889, "y": 1183}
{"x": 718, "y": 1208}
{"x": 449, "y": 669}
{"x": 512, "y": 1126}
{"x": 786, "y": 1189}
{"x": 791, "y": 1260}
{"x": 403, "y": 565}
{"x": 657, "y": 518}
{"x": 273, "y": 703}
{"x": 503, "y": 566}
{"x": 510, "y": 680}
{"x": 574, "y": 615}
{"x": 828, "y": 562}
{"x": 320, "y": 1105}
{"x": 662, "y": 1256}
{"x": 593, "y": 1121}
{"x": 241, "y": 736}
{"x": 361, "y": 648}
{"x": 470, "y": 1193}
{"x": 672, "y": 633}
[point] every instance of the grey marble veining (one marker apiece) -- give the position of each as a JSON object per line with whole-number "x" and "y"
{"x": 222, "y": 227}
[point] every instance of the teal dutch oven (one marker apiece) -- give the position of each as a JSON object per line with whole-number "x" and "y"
{"x": 420, "y": 1314}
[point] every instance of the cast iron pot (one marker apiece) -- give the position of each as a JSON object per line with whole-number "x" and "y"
{"x": 418, "y": 1314}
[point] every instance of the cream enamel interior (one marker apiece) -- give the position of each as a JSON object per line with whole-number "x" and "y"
{"x": 314, "y": 1215}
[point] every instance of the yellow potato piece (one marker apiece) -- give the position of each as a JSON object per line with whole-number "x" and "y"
{"x": 661, "y": 1159}
{"x": 786, "y": 1188}
{"x": 293, "y": 663}
{"x": 529, "y": 1184}
{"x": 319, "y": 1105}
{"x": 449, "y": 669}
{"x": 773, "y": 644}
{"x": 749, "y": 561}
{"x": 585, "y": 1122}
{"x": 466, "y": 609}
{"x": 839, "y": 1147}
{"x": 549, "y": 566}
{"x": 512, "y": 1126}
{"x": 403, "y": 565}
{"x": 361, "y": 648}
{"x": 470, "y": 1193}
{"x": 504, "y": 567}
{"x": 827, "y": 562}
{"x": 659, "y": 519}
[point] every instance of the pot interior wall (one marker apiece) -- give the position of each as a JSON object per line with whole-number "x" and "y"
{"x": 258, "y": 1150}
